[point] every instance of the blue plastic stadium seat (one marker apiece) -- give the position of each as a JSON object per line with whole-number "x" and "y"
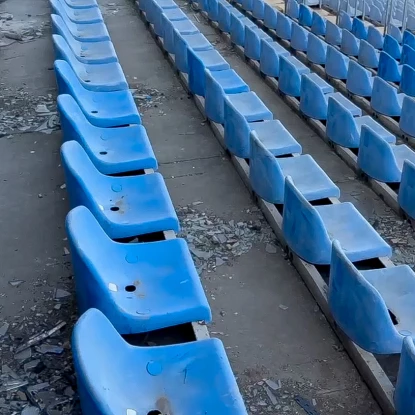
{"x": 213, "y": 8}
{"x": 219, "y": 84}
{"x": 173, "y": 15}
{"x": 98, "y": 78}
{"x": 395, "y": 32}
{"x": 305, "y": 15}
{"x": 238, "y": 29}
{"x": 360, "y": 302}
{"x": 299, "y": 37}
{"x": 258, "y": 9}
{"x": 337, "y": 63}
{"x": 81, "y": 4}
{"x": 241, "y": 109}
{"x": 184, "y": 43}
{"x": 267, "y": 174}
{"x": 408, "y": 56}
{"x": 293, "y": 9}
{"x": 125, "y": 207}
{"x": 102, "y": 109}
{"x": 408, "y": 39}
{"x": 253, "y": 37}
{"x": 90, "y": 15}
{"x": 94, "y": 32}
{"x": 283, "y": 28}
{"x": 270, "y": 16}
{"x": 155, "y": 8}
{"x": 368, "y": 55}
{"x": 407, "y": 120}
{"x": 112, "y": 150}
{"x": 318, "y": 24}
{"x": 381, "y": 160}
{"x": 269, "y": 61}
{"x": 345, "y": 21}
{"x": 323, "y": 224}
{"x": 406, "y": 196}
{"x": 316, "y": 50}
{"x": 224, "y": 18}
{"x": 375, "y": 38}
{"x": 404, "y": 397}
{"x": 359, "y": 80}
{"x": 247, "y": 5}
{"x": 132, "y": 383}
{"x": 315, "y": 93}
{"x": 291, "y": 70}
{"x": 407, "y": 85}
{"x": 333, "y": 34}
{"x": 388, "y": 68}
{"x": 385, "y": 98}
{"x": 392, "y": 47}
{"x": 344, "y": 129}
{"x": 359, "y": 29}
{"x": 199, "y": 61}
{"x": 139, "y": 287}
{"x": 350, "y": 43}
{"x": 184, "y": 27}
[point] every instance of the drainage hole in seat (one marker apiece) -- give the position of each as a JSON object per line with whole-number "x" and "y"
{"x": 87, "y": 80}
{"x": 131, "y": 289}
{"x": 94, "y": 112}
{"x": 393, "y": 318}
{"x": 115, "y": 208}
{"x": 103, "y": 153}
{"x": 156, "y": 412}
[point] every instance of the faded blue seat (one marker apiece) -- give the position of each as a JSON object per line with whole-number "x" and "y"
{"x": 247, "y": 5}
{"x": 293, "y": 9}
{"x": 99, "y": 78}
{"x": 381, "y": 160}
{"x": 385, "y": 98}
{"x": 219, "y": 84}
{"x": 81, "y": 4}
{"x": 172, "y": 15}
{"x": 124, "y": 206}
{"x": 408, "y": 56}
{"x": 368, "y": 55}
{"x": 139, "y": 287}
{"x": 337, "y": 63}
{"x": 407, "y": 85}
{"x": 316, "y": 50}
{"x": 406, "y": 195}
{"x": 253, "y": 37}
{"x": 269, "y": 60}
{"x": 344, "y": 129}
{"x": 198, "y": 61}
{"x": 407, "y": 120}
{"x": 267, "y": 174}
{"x": 322, "y": 224}
{"x": 350, "y": 43}
{"x": 345, "y": 21}
{"x": 363, "y": 302}
{"x": 88, "y": 52}
{"x": 318, "y": 24}
{"x": 184, "y": 27}
{"x": 155, "y": 8}
{"x": 240, "y": 110}
{"x": 213, "y": 8}
{"x": 395, "y": 32}
{"x": 404, "y": 396}
{"x": 359, "y": 29}
{"x": 283, "y": 29}
{"x": 333, "y": 34}
{"x": 315, "y": 93}
{"x": 359, "y": 80}
{"x": 102, "y": 109}
{"x": 258, "y": 9}
{"x": 408, "y": 38}
{"x": 184, "y": 43}
{"x": 78, "y": 16}
{"x": 374, "y": 37}
{"x": 392, "y": 47}
{"x": 291, "y": 70}
{"x": 388, "y": 68}
{"x": 270, "y": 16}
{"x": 224, "y": 18}
{"x": 299, "y": 37}
{"x": 112, "y": 150}
{"x": 238, "y": 25}
{"x": 132, "y": 382}
{"x": 93, "y": 32}
{"x": 305, "y": 15}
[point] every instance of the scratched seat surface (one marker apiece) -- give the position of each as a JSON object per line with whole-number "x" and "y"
{"x": 100, "y": 78}
{"x": 362, "y": 303}
{"x": 124, "y": 206}
{"x": 103, "y": 109}
{"x": 112, "y": 150}
{"x": 194, "y": 377}
{"x": 93, "y": 32}
{"x": 139, "y": 287}
{"x": 90, "y": 15}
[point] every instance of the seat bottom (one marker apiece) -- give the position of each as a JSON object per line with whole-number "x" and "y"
{"x": 402, "y": 152}
{"x": 356, "y": 111}
{"x": 374, "y": 125}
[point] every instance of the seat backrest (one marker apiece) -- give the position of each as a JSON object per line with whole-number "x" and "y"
{"x": 368, "y": 55}
{"x": 293, "y": 9}
{"x": 406, "y": 196}
{"x": 318, "y": 24}
{"x": 305, "y": 15}
{"x": 408, "y": 56}
{"x": 395, "y": 32}
{"x": 388, "y": 68}
{"x": 356, "y": 305}
{"x": 392, "y": 47}
{"x": 407, "y": 85}
{"x": 359, "y": 29}
{"x": 333, "y": 34}
{"x": 408, "y": 39}
{"x": 336, "y": 63}
{"x": 301, "y": 223}
{"x": 258, "y": 9}
{"x": 283, "y": 29}
{"x": 404, "y": 397}
{"x": 345, "y": 21}
{"x": 270, "y": 16}
{"x": 299, "y": 37}
{"x": 312, "y": 97}
{"x": 350, "y": 43}
{"x": 358, "y": 79}
{"x": 384, "y": 97}
{"x": 68, "y": 82}
{"x": 64, "y": 52}
{"x": 374, "y": 37}
{"x": 316, "y": 49}
{"x": 406, "y": 122}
